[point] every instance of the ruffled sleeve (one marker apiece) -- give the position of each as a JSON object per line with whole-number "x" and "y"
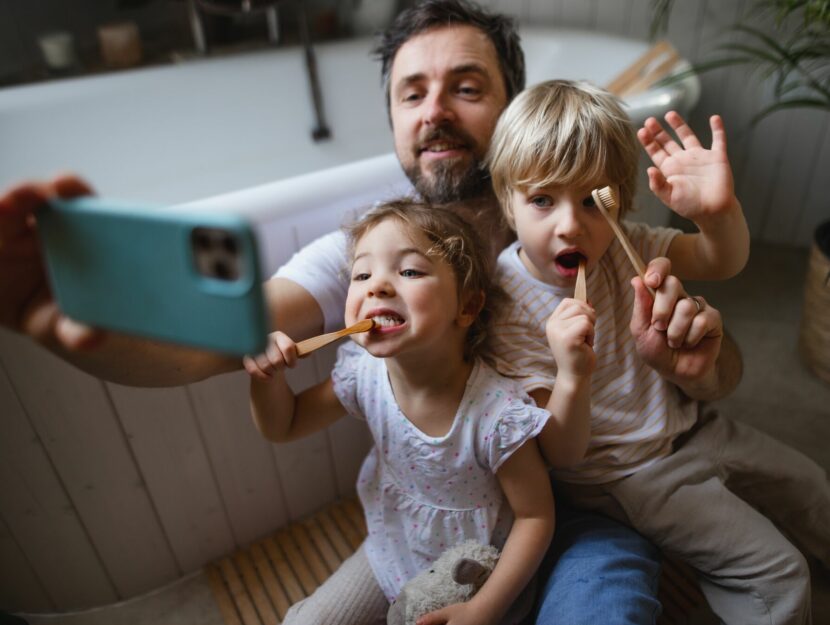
{"x": 345, "y": 377}
{"x": 520, "y": 421}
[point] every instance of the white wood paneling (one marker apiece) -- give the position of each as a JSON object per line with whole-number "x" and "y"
{"x": 817, "y": 205}
{"x": 167, "y": 444}
{"x": 73, "y": 417}
{"x": 18, "y": 582}
{"x": 38, "y": 513}
{"x": 240, "y": 458}
{"x": 798, "y": 157}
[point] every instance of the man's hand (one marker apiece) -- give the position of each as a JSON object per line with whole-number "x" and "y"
{"x": 694, "y": 182}
{"x": 678, "y": 336}
{"x": 26, "y": 304}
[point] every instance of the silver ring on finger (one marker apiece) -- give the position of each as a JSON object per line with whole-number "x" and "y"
{"x": 698, "y": 302}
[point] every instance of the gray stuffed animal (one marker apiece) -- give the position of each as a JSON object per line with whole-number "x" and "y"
{"x": 454, "y": 577}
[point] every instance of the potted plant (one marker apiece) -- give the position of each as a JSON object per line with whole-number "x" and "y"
{"x": 795, "y": 56}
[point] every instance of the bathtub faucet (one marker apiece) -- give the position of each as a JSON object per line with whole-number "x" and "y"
{"x": 269, "y": 8}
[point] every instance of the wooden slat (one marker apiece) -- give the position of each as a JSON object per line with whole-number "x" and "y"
{"x": 355, "y": 514}
{"x": 223, "y": 598}
{"x": 262, "y": 604}
{"x": 322, "y": 543}
{"x": 285, "y": 574}
{"x": 335, "y": 536}
{"x": 266, "y": 573}
{"x": 346, "y": 526}
{"x": 238, "y": 592}
{"x": 310, "y": 554}
{"x": 295, "y": 559}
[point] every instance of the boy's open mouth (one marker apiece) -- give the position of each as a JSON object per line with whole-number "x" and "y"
{"x": 568, "y": 262}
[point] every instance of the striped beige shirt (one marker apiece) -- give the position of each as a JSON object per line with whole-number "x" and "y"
{"x": 635, "y": 413}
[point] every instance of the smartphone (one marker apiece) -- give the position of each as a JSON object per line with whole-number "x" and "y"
{"x": 179, "y": 276}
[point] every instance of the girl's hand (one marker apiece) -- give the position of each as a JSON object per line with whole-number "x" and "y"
{"x": 570, "y": 332}
{"x": 694, "y": 182}
{"x": 455, "y": 614}
{"x": 280, "y": 352}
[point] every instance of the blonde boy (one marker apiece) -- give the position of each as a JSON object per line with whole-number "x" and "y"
{"x": 623, "y": 374}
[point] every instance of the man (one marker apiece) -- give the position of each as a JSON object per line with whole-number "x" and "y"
{"x": 449, "y": 70}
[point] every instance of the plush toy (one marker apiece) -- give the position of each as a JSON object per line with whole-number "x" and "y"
{"x": 453, "y": 578}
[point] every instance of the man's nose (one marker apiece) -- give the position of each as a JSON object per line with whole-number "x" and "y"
{"x": 438, "y": 109}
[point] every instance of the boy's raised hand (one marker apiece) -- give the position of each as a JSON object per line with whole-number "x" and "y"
{"x": 281, "y": 352}
{"x": 693, "y": 181}
{"x": 570, "y": 332}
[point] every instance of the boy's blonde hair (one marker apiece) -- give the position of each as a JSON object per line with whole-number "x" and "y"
{"x": 562, "y": 132}
{"x": 453, "y": 241}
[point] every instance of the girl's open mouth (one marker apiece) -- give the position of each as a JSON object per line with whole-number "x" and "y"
{"x": 387, "y": 322}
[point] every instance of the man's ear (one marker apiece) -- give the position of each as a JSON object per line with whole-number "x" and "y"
{"x": 471, "y": 305}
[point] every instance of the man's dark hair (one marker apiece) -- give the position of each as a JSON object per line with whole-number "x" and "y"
{"x": 429, "y": 14}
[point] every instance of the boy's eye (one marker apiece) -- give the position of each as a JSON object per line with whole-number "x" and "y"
{"x": 589, "y": 201}
{"x": 411, "y": 273}
{"x": 360, "y": 277}
{"x": 541, "y": 201}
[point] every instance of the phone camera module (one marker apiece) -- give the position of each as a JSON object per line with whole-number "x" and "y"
{"x": 216, "y": 253}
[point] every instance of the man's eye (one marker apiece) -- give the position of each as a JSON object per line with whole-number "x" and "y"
{"x": 589, "y": 201}
{"x": 411, "y": 96}
{"x": 411, "y": 273}
{"x": 469, "y": 90}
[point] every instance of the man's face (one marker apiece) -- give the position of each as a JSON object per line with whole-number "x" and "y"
{"x": 446, "y": 92}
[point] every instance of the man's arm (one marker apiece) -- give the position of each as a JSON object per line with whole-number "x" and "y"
{"x": 27, "y": 306}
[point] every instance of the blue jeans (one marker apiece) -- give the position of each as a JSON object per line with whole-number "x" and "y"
{"x": 597, "y": 571}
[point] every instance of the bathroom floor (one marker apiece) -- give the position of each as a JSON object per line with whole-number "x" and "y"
{"x": 761, "y": 308}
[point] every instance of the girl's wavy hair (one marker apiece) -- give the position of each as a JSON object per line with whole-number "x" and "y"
{"x": 456, "y": 243}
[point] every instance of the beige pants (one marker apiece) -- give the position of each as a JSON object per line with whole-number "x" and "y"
{"x": 351, "y": 596}
{"x": 701, "y": 504}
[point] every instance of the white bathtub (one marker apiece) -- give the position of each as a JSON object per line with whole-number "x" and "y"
{"x": 182, "y": 132}
{"x": 105, "y": 491}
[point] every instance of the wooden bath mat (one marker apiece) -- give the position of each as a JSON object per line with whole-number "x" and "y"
{"x": 256, "y": 586}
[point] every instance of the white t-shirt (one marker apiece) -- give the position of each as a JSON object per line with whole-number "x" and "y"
{"x": 322, "y": 269}
{"x": 635, "y": 413}
{"x": 420, "y": 493}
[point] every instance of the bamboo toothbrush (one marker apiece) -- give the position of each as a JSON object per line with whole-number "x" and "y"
{"x": 304, "y": 348}
{"x": 581, "y": 291}
{"x": 606, "y": 201}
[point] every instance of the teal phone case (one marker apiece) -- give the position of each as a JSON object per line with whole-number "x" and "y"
{"x": 181, "y": 277}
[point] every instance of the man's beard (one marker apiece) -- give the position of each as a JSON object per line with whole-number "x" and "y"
{"x": 450, "y": 182}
